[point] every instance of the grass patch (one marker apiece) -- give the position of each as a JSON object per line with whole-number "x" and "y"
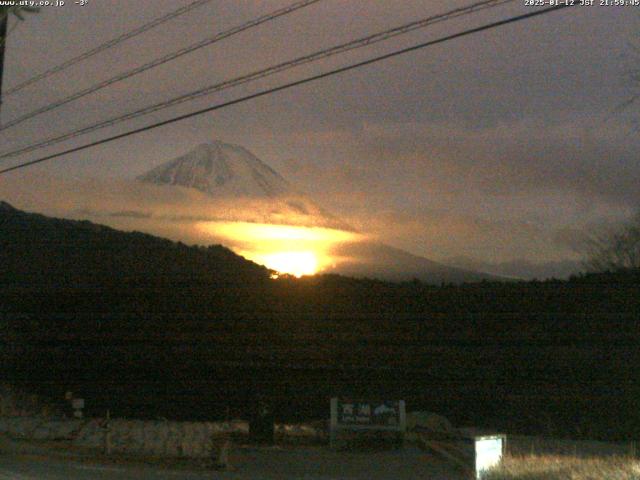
{"x": 550, "y": 467}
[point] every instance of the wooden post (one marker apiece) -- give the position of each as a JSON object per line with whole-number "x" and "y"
{"x": 107, "y": 435}
{"x": 403, "y": 421}
{"x": 334, "y": 422}
{"x": 223, "y": 455}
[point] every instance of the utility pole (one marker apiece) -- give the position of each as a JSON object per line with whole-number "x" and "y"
{"x": 4, "y": 30}
{"x": 4, "y": 21}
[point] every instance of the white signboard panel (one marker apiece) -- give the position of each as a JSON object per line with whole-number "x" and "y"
{"x": 488, "y": 453}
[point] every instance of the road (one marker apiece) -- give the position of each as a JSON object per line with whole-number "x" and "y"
{"x": 30, "y": 468}
{"x": 251, "y": 464}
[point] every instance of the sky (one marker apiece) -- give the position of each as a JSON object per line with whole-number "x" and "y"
{"x": 497, "y": 150}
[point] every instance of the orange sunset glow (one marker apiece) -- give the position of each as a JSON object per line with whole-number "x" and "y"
{"x": 293, "y": 250}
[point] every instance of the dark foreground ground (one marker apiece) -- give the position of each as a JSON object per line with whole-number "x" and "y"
{"x": 308, "y": 463}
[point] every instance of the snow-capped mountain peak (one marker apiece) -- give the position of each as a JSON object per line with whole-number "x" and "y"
{"x": 220, "y": 169}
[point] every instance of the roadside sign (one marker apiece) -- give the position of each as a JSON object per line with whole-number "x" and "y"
{"x": 476, "y": 454}
{"x": 488, "y": 452}
{"x": 381, "y": 415}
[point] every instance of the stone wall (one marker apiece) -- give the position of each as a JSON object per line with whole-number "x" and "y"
{"x": 155, "y": 438}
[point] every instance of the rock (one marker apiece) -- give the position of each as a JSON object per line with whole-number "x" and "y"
{"x": 57, "y": 430}
{"x": 91, "y": 435}
{"x": 23, "y": 427}
{"x": 429, "y": 420}
{"x": 417, "y": 421}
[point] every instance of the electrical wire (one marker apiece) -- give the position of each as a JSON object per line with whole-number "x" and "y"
{"x": 106, "y": 45}
{"x": 269, "y": 91}
{"x": 319, "y": 55}
{"x": 160, "y": 61}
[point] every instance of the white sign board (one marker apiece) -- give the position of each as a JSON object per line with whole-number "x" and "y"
{"x": 488, "y": 453}
{"x": 357, "y": 415}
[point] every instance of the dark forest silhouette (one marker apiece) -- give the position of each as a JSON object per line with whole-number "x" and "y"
{"x": 148, "y": 327}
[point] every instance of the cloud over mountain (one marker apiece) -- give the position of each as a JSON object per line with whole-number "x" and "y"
{"x": 222, "y": 193}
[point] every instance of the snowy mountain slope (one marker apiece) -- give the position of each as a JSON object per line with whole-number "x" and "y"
{"x": 221, "y": 169}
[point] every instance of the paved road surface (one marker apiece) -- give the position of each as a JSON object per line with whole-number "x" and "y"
{"x": 252, "y": 464}
{"x": 21, "y": 468}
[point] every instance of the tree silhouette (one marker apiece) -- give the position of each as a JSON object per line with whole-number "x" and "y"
{"x": 617, "y": 249}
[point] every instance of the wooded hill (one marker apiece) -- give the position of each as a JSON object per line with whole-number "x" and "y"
{"x": 147, "y": 327}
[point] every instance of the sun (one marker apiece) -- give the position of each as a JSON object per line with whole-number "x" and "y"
{"x": 286, "y": 249}
{"x": 293, "y": 263}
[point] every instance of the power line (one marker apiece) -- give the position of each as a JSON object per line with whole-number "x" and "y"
{"x": 319, "y": 55}
{"x": 105, "y": 46}
{"x": 159, "y": 61}
{"x": 269, "y": 91}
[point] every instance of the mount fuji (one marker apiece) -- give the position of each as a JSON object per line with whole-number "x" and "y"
{"x": 221, "y": 169}
{"x": 224, "y": 172}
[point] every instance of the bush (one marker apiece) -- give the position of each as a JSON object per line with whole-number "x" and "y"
{"x": 549, "y": 467}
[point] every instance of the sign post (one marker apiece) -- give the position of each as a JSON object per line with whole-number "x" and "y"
{"x": 475, "y": 454}
{"x": 366, "y": 415}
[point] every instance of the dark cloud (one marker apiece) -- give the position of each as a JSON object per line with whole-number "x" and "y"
{"x": 591, "y": 160}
